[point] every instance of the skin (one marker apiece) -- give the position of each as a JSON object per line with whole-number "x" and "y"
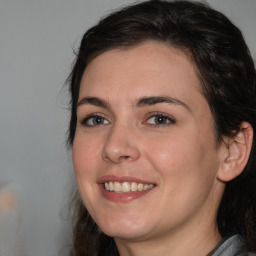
{"x": 181, "y": 157}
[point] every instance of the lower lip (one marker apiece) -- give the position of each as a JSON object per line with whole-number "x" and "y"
{"x": 123, "y": 197}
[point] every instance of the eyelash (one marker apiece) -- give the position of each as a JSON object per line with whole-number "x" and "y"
{"x": 85, "y": 121}
{"x": 170, "y": 121}
{"x": 166, "y": 118}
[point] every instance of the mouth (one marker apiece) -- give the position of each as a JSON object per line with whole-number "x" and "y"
{"x": 126, "y": 187}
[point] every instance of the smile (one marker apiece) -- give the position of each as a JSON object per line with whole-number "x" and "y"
{"x": 126, "y": 187}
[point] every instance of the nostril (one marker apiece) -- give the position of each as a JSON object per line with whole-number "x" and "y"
{"x": 121, "y": 158}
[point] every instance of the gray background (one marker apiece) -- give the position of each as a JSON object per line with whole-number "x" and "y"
{"x": 36, "y": 44}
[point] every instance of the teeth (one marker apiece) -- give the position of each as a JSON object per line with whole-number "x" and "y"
{"x": 117, "y": 187}
{"x": 145, "y": 187}
{"x": 111, "y": 186}
{"x": 126, "y": 186}
{"x": 134, "y": 186}
{"x": 140, "y": 187}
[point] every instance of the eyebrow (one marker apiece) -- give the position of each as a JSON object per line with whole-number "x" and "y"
{"x": 144, "y": 101}
{"x": 93, "y": 101}
{"x": 153, "y": 100}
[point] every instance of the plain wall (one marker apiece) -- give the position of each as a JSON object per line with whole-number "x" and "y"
{"x": 36, "y": 41}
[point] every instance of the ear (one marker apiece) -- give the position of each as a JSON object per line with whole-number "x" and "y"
{"x": 237, "y": 153}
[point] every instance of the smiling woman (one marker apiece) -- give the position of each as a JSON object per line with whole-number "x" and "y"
{"x": 162, "y": 122}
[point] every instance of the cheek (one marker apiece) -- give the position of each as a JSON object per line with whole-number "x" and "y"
{"x": 182, "y": 158}
{"x": 171, "y": 155}
{"x": 83, "y": 156}
{"x": 187, "y": 172}
{"x": 84, "y": 153}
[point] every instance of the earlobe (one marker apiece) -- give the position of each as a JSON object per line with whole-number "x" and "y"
{"x": 238, "y": 150}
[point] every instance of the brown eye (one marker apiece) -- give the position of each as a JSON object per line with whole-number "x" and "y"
{"x": 94, "y": 120}
{"x": 97, "y": 120}
{"x": 160, "y": 119}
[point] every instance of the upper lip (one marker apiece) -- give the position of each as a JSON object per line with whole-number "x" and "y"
{"x": 108, "y": 178}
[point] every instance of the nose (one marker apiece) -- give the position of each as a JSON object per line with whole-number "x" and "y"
{"x": 120, "y": 145}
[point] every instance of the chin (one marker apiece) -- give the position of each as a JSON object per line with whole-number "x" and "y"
{"x": 124, "y": 229}
{"x": 129, "y": 235}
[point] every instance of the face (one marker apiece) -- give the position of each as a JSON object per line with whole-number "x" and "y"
{"x": 144, "y": 153}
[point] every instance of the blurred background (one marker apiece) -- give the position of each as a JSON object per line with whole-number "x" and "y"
{"x": 37, "y": 38}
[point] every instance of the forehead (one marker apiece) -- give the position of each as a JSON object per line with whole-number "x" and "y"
{"x": 148, "y": 68}
{"x": 147, "y": 60}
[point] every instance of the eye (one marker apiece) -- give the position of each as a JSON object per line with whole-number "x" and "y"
{"x": 94, "y": 120}
{"x": 160, "y": 120}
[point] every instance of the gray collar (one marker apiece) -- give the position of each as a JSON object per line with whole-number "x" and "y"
{"x": 231, "y": 246}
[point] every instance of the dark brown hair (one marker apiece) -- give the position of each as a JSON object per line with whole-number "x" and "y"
{"x": 227, "y": 74}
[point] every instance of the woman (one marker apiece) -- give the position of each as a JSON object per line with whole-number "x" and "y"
{"x": 163, "y": 116}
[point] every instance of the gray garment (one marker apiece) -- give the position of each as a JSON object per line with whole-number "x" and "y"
{"x": 231, "y": 247}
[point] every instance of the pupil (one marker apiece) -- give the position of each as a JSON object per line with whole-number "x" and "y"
{"x": 160, "y": 119}
{"x": 98, "y": 120}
